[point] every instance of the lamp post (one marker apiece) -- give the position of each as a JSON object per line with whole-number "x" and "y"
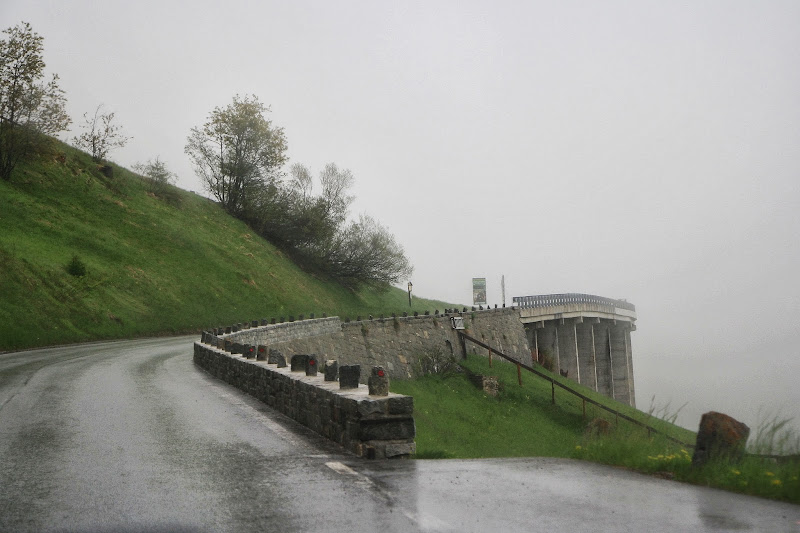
{"x": 409, "y": 294}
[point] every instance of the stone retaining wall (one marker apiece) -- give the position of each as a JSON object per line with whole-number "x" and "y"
{"x": 369, "y": 426}
{"x": 395, "y": 343}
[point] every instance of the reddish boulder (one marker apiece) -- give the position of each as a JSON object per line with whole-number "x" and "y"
{"x": 719, "y": 436}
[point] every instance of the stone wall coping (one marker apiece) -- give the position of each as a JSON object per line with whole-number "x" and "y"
{"x": 360, "y": 393}
{"x": 364, "y": 321}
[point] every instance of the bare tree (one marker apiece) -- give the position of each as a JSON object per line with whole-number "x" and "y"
{"x": 101, "y": 135}
{"x": 29, "y": 108}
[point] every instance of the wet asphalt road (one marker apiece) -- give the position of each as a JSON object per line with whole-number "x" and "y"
{"x": 131, "y": 436}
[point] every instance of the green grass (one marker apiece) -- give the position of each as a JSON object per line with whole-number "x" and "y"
{"x": 456, "y": 420}
{"x": 151, "y": 266}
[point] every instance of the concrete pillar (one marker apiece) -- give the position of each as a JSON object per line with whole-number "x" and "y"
{"x": 568, "y": 349}
{"x": 620, "y": 361}
{"x": 547, "y": 341}
{"x": 586, "y": 357}
{"x": 602, "y": 353}
{"x": 631, "y": 388}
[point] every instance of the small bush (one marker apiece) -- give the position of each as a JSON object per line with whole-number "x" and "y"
{"x": 76, "y": 267}
{"x": 159, "y": 180}
{"x": 435, "y": 361}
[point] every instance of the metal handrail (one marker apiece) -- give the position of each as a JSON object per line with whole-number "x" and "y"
{"x": 554, "y": 383}
{"x": 547, "y": 300}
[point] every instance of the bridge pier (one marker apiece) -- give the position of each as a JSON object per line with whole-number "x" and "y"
{"x": 588, "y": 337}
{"x": 602, "y": 347}
{"x": 568, "y": 348}
{"x": 587, "y": 367}
{"x": 621, "y": 363}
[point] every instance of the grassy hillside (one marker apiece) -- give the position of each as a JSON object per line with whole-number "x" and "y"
{"x": 520, "y": 421}
{"x": 152, "y": 266}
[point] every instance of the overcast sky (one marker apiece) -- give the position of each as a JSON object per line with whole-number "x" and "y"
{"x": 640, "y": 150}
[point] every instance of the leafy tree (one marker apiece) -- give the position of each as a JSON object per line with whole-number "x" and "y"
{"x": 101, "y": 135}
{"x": 291, "y": 214}
{"x": 29, "y": 108}
{"x": 365, "y": 253}
{"x": 314, "y": 228}
{"x": 238, "y": 154}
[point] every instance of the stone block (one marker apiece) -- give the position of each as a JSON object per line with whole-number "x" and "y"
{"x": 349, "y": 407}
{"x": 299, "y": 362}
{"x": 719, "y": 436}
{"x": 349, "y": 375}
{"x": 352, "y": 431}
{"x": 311, "y": 365}
{"x": 371, "y": 407}
{"x": 378, "y": 382}
{"x": 249, "y": 351}
{"x": 272, "y": 357}
{"x": 400, "y": 449}
{"x": 331, "y": 370}
{"x": 401, "y": 405}
{"x": 391, "y": 429}
{"x": 261, "y": 353}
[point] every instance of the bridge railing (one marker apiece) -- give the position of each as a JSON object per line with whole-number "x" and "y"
{"x": 547, "y": 300}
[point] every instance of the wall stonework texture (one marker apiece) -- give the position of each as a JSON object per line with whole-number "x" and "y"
{"x": 393, "y": 343}
{"x": 370, "y": 426}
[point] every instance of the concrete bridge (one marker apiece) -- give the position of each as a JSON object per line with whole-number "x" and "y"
{"x": 587, "y": 337}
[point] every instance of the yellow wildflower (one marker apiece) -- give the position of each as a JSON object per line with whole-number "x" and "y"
{"x": 770, "y": 474}
{"x": 776, "y": 482}
{"x": 735, "y": 472}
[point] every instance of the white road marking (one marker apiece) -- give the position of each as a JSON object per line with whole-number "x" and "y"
{"x": 427, "y": 523}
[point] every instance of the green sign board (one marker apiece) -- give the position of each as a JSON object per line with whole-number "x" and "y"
{"x": 478, "y": 291}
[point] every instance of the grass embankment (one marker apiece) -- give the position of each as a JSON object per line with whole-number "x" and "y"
{"x": 152, "y": 266}
{"x": 456, "y": 420}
